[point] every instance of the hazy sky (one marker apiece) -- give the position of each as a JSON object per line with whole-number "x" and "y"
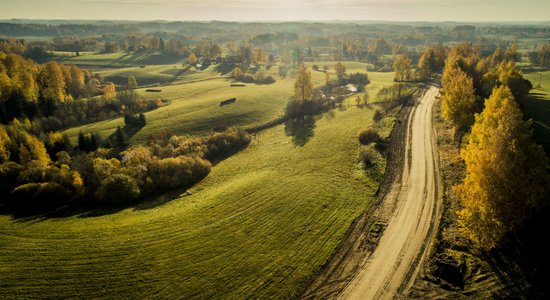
{"x": 394, "y": 10}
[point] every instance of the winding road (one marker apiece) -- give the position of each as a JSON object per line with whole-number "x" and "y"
{"x": 394, "y": 264}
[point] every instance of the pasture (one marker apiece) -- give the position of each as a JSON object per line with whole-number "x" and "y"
{"x": 259, "y": 226}
{"x": 194, "y": 105}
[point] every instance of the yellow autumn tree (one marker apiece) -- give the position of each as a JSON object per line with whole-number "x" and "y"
{"x": 4, "y": 145}
{"x": 303, "y": 87}
{"x": 303, "y": 90}
{"x": 340, "y": 69}
{"x": 237, "y": 73}
{"x": 403, "y": 68}
{"x": 458, "y": 100}
{"x": 109, "y": 92}
{"x": 132, "y": 82}
{"x": 192, "y": 59}
{"x": 51, "y": 82}
{"x": 505, "y": 172}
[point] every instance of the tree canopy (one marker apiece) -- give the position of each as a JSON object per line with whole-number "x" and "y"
{"x": 505, "y": 171}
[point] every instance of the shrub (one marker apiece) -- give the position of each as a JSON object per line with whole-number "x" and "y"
{"x": 367, "y": 156}
{"x": 9, "y": 172}
{"x": 170, "y": 173}
{"x": 135, "y": 120}
{"x": 223, "y": 144}
{"x": 118, "y": 189}
{"x": 33, "y": 197}
{"x": 368, "y": 136}
{"x": 266, "y": 80}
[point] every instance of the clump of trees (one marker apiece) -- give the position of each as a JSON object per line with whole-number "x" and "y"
{"x": 135, "y": 120}
{"x": 32, "y": 180}
{"x": 395, "y": 95}
{"x": 541, "y": 57}
{"x": 368, "y": 136}
{"x": 367, "y": 155}
{"x": 54, "y": 96}
{"x": 308, "y": 101}
{"x": 505, "y": 171}
{"x": 403, "y": 68}
{"x": 259, "y": 78}
{"x": 458, "y": 100}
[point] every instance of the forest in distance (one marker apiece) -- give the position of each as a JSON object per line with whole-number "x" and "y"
{"x": 239, "y": 159}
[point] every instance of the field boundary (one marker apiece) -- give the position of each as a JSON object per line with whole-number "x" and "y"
{"x": 358, "y": 242}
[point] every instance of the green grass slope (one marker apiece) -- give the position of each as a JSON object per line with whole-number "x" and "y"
{"x": 195, "y": 110}
{"x": 258, "y": 226}
{"x": 537, "y": 107}
{"x": 117, "y": 59}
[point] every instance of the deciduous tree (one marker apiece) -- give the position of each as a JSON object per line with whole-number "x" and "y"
{"x": 402, "y": 67}
{"x": 458, "y": 98}
{"x": 505, "y": 172}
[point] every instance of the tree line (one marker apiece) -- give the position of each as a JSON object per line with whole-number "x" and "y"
{"x": 506, "y": 172}
{"x": 56, "y": 96}
{"x": 42, "y": 172}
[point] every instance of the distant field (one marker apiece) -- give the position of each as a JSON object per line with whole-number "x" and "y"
{"x": 258, "y": 226}
{"x": 118, "y": 59}
{"x": 195, "y": 110}
{"x": 538, "y": 107}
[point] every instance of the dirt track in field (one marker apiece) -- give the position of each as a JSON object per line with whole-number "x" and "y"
{"x": 368, "y": 265}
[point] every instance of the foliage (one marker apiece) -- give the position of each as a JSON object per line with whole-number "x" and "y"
{"x": 132, "y": 82}
{"x": 368, "y": 136}
{"x": 367, "y": 156}
{"x": 223, "y": 144}
{"x": 458, "y": 100}
{"x": 403, "y": 68}
{"x": 118, "y": 189}
{"x": 88, "y": 142}
{"x": 506, "y": 173}
{"x": 340, "y": 69}
{"x": 395, "y": 95}
{"x": 109, "y": 92}
{"x": 181, "y": 171}
{"x": 135, "y": 120}
{"x": 192, "y": 59}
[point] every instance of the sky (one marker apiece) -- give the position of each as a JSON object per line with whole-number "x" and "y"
{"x": 280, "y": 10}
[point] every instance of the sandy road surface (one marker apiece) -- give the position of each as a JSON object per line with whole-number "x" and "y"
{"x": 393, "y": 265}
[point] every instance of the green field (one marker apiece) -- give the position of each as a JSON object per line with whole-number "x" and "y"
{"x": 258, "y": 226}
{"x": 117, "y": 59}
{"x": 195, "y": 110}
{"x": 537, "y": 107}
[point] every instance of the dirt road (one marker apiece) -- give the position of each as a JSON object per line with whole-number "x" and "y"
{"x": 392, "y": 267}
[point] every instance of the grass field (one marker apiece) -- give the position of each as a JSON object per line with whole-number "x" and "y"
{"x": 258, "y": 226}
{"x": 117, "y": 59}
{"x": 537, "y": 107}
{"x": 195, "y": 110}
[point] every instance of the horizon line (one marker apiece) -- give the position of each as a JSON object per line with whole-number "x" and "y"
{"x": 281, "y": 21}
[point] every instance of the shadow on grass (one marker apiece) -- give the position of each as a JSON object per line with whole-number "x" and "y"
{"x": 225, "y": 68}
{"x": 537, "y": 107}
{"x": 301, "y": 130}
{"x": 83, "y": 210}
{"x": 179, "y": 73}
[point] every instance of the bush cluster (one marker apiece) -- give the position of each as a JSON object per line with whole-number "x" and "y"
{"x": 33, "y": 181}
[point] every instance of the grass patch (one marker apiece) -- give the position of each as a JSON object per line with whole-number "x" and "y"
{"x": 537, "y": 107}
{"x": 258, "y": 226}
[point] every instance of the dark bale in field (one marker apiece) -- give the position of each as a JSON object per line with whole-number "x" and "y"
{"x": 228, "y": 101}
{"x": 238, "y": 84}
{"x": 153, "y": 91}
